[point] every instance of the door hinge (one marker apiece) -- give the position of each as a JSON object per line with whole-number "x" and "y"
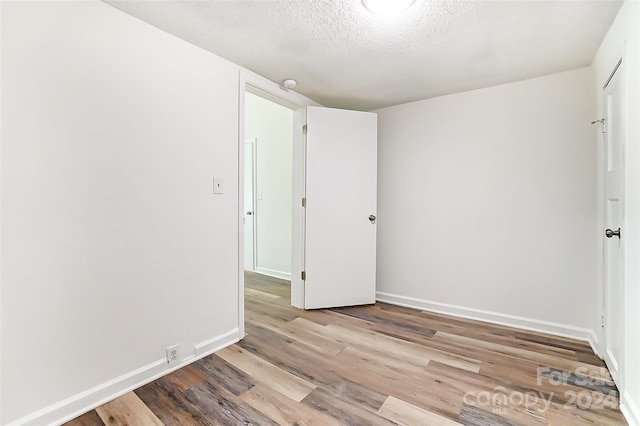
{"x": 303, "y": 275}
{"x": 304, "y": 129}
{"x": 304, "y": 201}
{"x": 602, "y": 321}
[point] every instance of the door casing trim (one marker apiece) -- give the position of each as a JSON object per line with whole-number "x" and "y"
{"x": 263, "y": 87}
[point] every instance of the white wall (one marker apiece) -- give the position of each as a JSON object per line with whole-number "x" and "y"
{"x": 487, "y": 204}
{"x": 113, "y": 245}
{"x": 272, "y": 125}
{"x": 623, "y": 41}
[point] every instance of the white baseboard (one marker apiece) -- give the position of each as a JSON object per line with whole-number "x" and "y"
{"x": 530, "y": 324}
{"x": 630, "y": 410}
{"x": 274, "y": 273}
{"x": 83, "y": 402}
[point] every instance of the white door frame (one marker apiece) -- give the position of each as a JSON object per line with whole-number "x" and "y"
{"x": 258, "y": 85}
{"x": 613, "y": 361}
{"x": 625, "y": 49}
{"x": 253, "y": 144}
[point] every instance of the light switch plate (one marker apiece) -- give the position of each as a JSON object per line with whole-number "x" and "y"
{"x": 218, "y": 185}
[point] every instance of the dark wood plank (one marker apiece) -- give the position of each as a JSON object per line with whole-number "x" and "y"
{"x": 559, "y": 376}
{"x": 222, "y": 407}
{"x": 224, "y": 374}
{"x": 170, "y": 405}
{"x": 473, "y": 416}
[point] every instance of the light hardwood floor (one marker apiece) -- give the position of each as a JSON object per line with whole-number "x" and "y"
{"x": 374, "y": 365}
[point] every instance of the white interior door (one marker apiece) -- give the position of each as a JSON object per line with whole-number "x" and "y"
{"x": 614, "y": 207}
{"x": 249, "y": 210}
{"x": 341, "y": 198}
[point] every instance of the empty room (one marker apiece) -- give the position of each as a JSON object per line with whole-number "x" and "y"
{"x": 313, "y": 212}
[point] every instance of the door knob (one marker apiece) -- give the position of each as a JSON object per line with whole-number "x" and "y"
{"x": 372, "y": 218}
{"x": 249, "y": 213}
{"x": 611, "y": 233}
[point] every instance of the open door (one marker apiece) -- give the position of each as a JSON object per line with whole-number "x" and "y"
{"x": 340, "y": 208}
{"x": 613, "y": 314}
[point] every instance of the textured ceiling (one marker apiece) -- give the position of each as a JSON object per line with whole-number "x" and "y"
{"x": 343, "y": 56}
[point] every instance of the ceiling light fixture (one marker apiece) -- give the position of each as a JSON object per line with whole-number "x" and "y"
{"x": 387, "y": 7}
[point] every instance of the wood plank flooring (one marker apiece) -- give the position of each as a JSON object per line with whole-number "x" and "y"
{"x": 374, "y": 365}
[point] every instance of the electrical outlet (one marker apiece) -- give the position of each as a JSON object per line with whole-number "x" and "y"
{"x": 173, "y": 354}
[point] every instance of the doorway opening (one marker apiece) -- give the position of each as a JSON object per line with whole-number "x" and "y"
{"x": 268, "y": 166}
{"x": 334, "y": 235}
